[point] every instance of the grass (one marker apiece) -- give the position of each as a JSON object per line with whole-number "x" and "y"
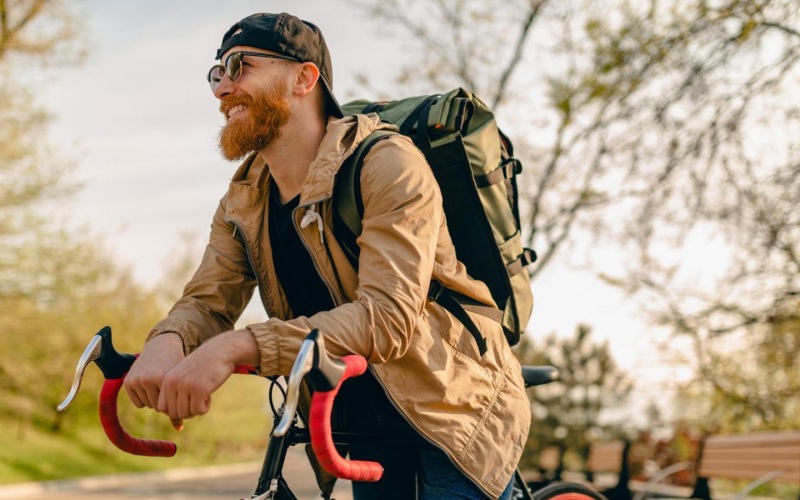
{"x": 235, "y": 430}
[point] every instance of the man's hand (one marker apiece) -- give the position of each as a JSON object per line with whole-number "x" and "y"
{"x": 160, "y": 355}
{"x": 186, "y": 390}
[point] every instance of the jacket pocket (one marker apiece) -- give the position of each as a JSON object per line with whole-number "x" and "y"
{"x": 459, "y": 338}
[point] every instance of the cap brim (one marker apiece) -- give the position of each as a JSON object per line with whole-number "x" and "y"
{"x": 332, "y": 104}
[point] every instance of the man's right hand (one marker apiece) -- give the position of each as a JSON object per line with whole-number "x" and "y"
{"x": 160, "y": 355}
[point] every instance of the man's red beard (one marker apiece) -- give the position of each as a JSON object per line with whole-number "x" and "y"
{"x": 268, "y": 112}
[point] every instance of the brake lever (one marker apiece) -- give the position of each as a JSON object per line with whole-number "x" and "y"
{"x": 91, "y": 353}
{"x": 114, "y": 367}
{"x": 302, "y": 365}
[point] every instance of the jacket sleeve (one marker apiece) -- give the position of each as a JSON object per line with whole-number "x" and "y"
{"x": 217, "y": 293}
{"x": 402, "y": 219}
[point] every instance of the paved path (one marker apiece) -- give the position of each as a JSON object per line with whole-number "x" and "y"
{"x": 223, "y": 482}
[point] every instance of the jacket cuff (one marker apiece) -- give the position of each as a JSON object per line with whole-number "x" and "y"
{"x": 268, "y": 348}
{"x": 161, "y": 331}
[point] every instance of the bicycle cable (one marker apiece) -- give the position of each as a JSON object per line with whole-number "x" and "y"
{"x": 275, "y": 383}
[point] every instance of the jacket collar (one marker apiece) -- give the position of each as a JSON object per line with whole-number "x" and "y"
{"x": 340, "y": 141}
{"x": 342, "y": 138}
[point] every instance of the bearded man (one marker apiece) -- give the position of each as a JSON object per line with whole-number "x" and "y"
{"x": 466, "y": 415}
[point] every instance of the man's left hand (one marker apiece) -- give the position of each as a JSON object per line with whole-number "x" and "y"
{"x": 186, "y": 389}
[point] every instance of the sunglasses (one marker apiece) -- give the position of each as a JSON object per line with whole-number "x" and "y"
{"x": 233, "y": 66}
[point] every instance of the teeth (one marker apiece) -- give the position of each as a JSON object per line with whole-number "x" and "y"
{"x": 236, "y": 109}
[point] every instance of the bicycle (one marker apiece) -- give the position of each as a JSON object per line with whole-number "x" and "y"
{"x": 325, "y": 375}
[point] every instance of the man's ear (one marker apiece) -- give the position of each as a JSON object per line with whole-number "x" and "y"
{"x": 305, "y": 79}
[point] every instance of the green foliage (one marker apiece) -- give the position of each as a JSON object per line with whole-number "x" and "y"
{"x": 234, "y": 430}
{"x": 748, "y": 382}
{"x": 59, "y": 287}
{"x": 569, "y": 413}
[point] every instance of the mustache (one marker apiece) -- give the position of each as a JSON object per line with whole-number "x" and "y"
{"x": 226, "y": 104}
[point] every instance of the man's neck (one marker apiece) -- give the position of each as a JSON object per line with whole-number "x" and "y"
{"x": 290, "y": 155}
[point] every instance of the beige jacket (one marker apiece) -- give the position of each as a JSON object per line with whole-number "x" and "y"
{"x": 472, "y": 407}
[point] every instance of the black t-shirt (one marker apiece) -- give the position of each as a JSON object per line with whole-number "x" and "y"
{"x": 362, "y": 403}
{"x": 305, "y": 291}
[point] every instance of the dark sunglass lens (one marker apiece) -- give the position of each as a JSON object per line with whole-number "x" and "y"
{"x": 234, "y": 66}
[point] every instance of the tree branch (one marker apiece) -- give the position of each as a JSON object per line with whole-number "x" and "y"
{"x": 9, "y": 33}
{"x": 536, "y": 6}
{"x": 782, "y": 27}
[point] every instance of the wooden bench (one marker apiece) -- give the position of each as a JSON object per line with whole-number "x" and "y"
{"x": 610, "y": 458}
{"x": 758, "y": 458}
{"x": 550, "y": 463}
{"x": 548, "y": 468}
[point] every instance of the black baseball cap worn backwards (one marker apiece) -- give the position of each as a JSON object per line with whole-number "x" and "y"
{"x": 287, "y": 35}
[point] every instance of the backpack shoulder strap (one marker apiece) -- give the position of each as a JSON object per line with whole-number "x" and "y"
{"x": 348, "y": 207}
{"x": 348, "y": 211}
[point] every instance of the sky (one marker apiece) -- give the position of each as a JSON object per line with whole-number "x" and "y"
{"x": 141, "y": 123}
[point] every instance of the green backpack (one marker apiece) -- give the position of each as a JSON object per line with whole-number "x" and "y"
{"x": 474, "y": 166}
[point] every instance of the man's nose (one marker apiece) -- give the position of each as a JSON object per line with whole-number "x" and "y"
{"x": 224, "y": 88}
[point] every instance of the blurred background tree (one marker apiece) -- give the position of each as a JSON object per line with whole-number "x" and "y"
{"x": 650, "y": 132}
{"x": 577, "y": 409}
{"x": 34, "y": 179}
{"x": 41, "y": 267}
{"x": 59, "y": 284}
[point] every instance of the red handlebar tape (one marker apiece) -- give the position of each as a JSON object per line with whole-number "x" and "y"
{"x": 117, "y": 435}
{"x": 245, "y": 370}
{"x": 320, "y": 430}
{"x": 109, "y": 418}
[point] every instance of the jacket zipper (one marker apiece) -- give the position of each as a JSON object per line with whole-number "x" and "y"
{"x": 337, "y": 300}
{"x": 238, "y": 228}
{"x": 430, "y": 440}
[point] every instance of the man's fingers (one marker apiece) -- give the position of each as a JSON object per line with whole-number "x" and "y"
{"x": 182, "y": 406}
{"x": 162, "y": 404}
{"x": 134, "y": 397}
{"x": 141, "y": 391}
{"x": 177, "y": 423}
{"x": 144, "y": 380}
{"x": 152, "y": 394}
{"x": 200, "y": 406}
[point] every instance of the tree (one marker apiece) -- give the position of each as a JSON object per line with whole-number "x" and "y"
{"x": 43, "y": 31}
{"x": 32, "y": 33}
{"x": 753, "y": 384}
{"x": 662, "y": 130}
{"x": 569, "y": 413}
{"x": 49, "y": 279}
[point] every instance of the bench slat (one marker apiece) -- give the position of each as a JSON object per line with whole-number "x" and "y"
{"x": 752, "y": 454}
{"x": 548, "y": 458}
{"x": 751, "y": 474}
{"x": 756, "y": 465}
{"x": 604, "y": 467}
{"x": 606, "y": 457}
{"x": 758, "y": 440}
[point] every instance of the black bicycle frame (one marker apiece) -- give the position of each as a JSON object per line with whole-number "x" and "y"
{"x": 278, "y": 447}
